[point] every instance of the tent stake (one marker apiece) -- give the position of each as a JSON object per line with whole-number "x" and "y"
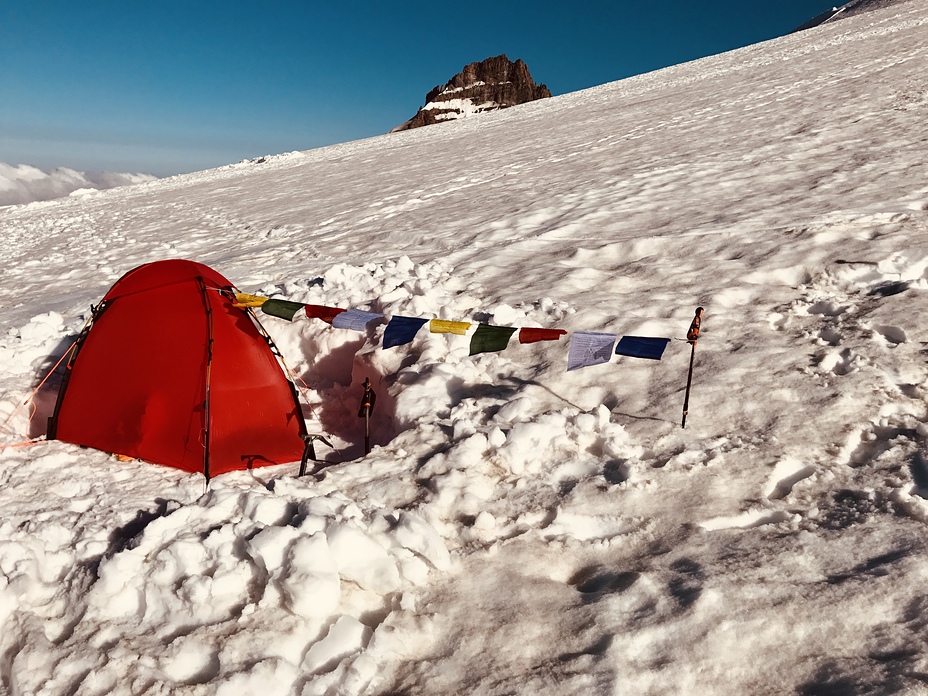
{"x": 691, "y": 336}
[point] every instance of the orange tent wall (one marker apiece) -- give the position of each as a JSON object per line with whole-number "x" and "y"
{"x": 138, "y": 384}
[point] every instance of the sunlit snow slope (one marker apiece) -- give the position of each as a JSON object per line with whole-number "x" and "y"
{"x": 521, "y": 529}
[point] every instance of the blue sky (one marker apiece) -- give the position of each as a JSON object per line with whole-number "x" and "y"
{"x": 169, "y": 86}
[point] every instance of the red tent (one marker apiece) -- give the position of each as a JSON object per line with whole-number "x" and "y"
{"x": 171, "y": 372}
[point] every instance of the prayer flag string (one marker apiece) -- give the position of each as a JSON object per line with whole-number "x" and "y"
{"x": 587, "y": 348}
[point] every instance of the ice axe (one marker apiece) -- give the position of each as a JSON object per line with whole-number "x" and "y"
{"x": 367, "y": 407}
{"x": 309, "y": 451}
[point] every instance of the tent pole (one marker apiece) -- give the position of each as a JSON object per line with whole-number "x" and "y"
{"x": 209, "y": 366}
{"x": 285, "y": 369}
{"x": 95, "y": 312}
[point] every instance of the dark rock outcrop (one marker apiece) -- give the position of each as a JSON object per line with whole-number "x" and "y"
{"x": 855, "y": 7}
{"x": 495, "y": 83}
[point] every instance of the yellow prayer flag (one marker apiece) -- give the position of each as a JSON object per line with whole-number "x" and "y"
{"x": 456, "y": 327}
{"x": 243, "y": 300}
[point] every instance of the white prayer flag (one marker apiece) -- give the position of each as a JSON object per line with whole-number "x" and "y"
{"x": 589, "y": 348}
{"x": 356, "y": 319}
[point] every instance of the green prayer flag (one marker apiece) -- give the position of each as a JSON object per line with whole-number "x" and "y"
{"x": 488, "y": 339}
{"x": 282, "y": 308}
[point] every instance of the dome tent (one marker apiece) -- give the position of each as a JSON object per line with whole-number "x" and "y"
{"x": 171, "y": 372}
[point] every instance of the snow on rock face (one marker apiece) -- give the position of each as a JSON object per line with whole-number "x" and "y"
{"x": 491, "y": 84}
{"x": 517, "y": 528}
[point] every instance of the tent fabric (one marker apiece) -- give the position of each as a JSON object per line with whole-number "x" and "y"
{"x": 401, "y": 330}
{"x": 642, "y": 347}
{"x": 171, "y": 372}
{"x": 490, "y": 339}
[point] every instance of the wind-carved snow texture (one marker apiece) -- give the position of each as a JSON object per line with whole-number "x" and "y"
{"x": 518, "y": 528}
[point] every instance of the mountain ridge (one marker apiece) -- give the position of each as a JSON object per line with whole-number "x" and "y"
{"x": 488, "y": 85}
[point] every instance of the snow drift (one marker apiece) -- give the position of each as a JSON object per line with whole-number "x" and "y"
{"x": 519, "y": 528}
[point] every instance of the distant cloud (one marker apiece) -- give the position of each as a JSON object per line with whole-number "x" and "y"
{"x": 24, "y": 184}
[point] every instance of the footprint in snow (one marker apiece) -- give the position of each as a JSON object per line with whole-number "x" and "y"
{"x": 892, "y": 334}
{"x": 830, "y": 336}
{"x": 686, "y": 584}
{"x": 596, "y": 582}
{"x": 826, "y": 308}
{"x": 889, "y": 288}
{"x": 839, "y": 362}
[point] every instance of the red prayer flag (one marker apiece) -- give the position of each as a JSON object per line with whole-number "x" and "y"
{"x": 327, "y": 314}
{"x": 530, "y": 335}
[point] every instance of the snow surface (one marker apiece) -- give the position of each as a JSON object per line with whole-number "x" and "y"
{"x": 518, "y": 528}
{"x": 26, "y": 184}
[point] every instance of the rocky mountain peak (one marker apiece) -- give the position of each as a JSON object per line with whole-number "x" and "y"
{"x": 491, "y": 84}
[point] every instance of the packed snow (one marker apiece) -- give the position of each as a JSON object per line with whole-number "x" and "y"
{"x": 24, "y": 183}
{"x": 518, "y": 528}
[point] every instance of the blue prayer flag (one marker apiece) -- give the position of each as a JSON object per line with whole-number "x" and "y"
{"x": 589, "y": 348}
{"x": 641, "y": 347}
{"x": 401, "y": 330}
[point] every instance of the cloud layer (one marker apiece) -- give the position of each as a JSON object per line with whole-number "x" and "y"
{"x": 24, "y": 183}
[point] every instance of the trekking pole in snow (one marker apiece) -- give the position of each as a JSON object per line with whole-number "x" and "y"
{"x": 691, "y": 337}
{"x": 367, "y": 407}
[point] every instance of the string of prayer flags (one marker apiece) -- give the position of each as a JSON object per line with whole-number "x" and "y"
{"x": 401, "y": 330}
{"x": 244, "y": 300}
{"x": 533, "y": 335}
{"x": 490, "y": 339}
{"x": 285, "y": 309}
{"x": 454, "y": 327}
{"x": 641, "y": 347}
{"x": 355, "y": 319}
{"x": 589, "y": 348}
{"x": 326, "y": 314}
